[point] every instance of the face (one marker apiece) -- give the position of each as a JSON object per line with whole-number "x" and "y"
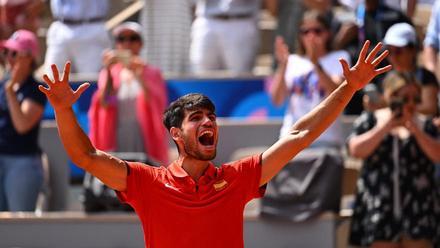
{"x": 199, "y": 134}
{"x": 129, "y": 40}
{"x": 312, "y": 31}
{"x": 401, "y": 57}
{"x": 409, "y": 95}
{"x": 13, "y": 57}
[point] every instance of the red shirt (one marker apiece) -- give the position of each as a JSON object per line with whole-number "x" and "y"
{"x": 177, "y": 212}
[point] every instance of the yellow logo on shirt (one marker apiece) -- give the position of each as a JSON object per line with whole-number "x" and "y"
{"x": 220, "y": 185}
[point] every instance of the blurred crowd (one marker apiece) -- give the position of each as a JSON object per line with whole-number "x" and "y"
{"x": 398, "y": 113}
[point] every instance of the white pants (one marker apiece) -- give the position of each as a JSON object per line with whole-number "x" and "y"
{"x": 81, "y": 44}
{"x": 224, "y": 45}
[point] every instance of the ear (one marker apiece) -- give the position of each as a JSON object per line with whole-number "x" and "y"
{"x": 175, "y": 133}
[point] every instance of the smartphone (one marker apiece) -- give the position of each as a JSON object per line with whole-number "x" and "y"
{"x": 123, "y": 56}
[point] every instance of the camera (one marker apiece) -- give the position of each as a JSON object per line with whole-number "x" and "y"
{"x": 396, "y": 106}
{"x": 123, "y": 56}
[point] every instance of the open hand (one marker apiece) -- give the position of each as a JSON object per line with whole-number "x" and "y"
{"x": 365, "y": 68}
{"x": 59, "y": 92}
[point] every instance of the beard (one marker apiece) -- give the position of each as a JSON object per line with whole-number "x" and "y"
{"x": 191, "y": 149}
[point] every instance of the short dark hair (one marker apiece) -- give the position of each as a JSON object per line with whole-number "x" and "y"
{"x": 175, "y": 113}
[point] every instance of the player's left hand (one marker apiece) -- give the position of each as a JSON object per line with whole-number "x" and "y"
{"x": 365, "y": 68}
{"x": 58, "y": 90}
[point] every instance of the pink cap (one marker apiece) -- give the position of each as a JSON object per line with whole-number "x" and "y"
{"x": 22, "y": 41}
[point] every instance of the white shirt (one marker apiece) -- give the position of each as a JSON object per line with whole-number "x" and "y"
{"x": 302, "y": 83}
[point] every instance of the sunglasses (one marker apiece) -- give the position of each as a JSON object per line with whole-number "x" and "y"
{"x": 408, "y": 98}
{"x": 317, "y": 31}
{"x": 130, "y": 38}
{"x": 414, "y": 99}
{"x": 9, "y": 53}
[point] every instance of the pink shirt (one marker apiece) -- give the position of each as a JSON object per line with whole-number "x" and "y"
{"x": 103, "y": 119}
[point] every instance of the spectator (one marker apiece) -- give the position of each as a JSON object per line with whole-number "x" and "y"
{"x": 401, "y": 41}
{"x": 397, "y": 203}
{"x": 290, "y": 14}
{"x": 19, "y": 14}
{"x": 126, "y": 110}
{"x": 432, "y": 39}
{"x": 308, "y": 77}
{"x": 224, "y": 36}
{"x": 78, "y": 34}
{"x": 21, "y": 110}
{"x": 166, "y": 32}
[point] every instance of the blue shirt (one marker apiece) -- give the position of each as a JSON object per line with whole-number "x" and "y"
{"x": 11, "y": 142}
{"x": 432, "y": 37}
{"x": 79, "y": 9}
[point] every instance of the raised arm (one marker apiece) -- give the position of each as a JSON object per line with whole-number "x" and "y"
{"x": 108, "y": 169}
{"x": 310, "y": 126}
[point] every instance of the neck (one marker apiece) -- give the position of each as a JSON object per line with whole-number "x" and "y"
{"x": 195, "y": 168}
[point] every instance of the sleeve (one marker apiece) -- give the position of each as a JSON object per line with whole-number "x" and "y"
{"x": 331, "y": 63}
{"x": 362, "y": 124}
{"x": 289, "y": 75}
{"x": 250, "y": 175}
{"x": 432, "y": 32}
{"x": 431, "y": 129}
{"x": 429, "y": 78}
{"x": 34, "y": 94}
{"x": 139, "y": 178}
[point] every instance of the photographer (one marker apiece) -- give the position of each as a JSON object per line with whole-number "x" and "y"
{"x": 401, "y": 41}
{"x": 397, "y": 201}
{"x": 126, "y": 110}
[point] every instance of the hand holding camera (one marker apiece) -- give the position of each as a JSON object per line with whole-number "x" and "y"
{"x": 396, "y": 106}
{"x": 111, "y": 57}
{"x": 124, "y": 57}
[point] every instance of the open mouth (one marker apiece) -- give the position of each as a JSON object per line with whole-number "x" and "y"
{"x": 206, "y": 138}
